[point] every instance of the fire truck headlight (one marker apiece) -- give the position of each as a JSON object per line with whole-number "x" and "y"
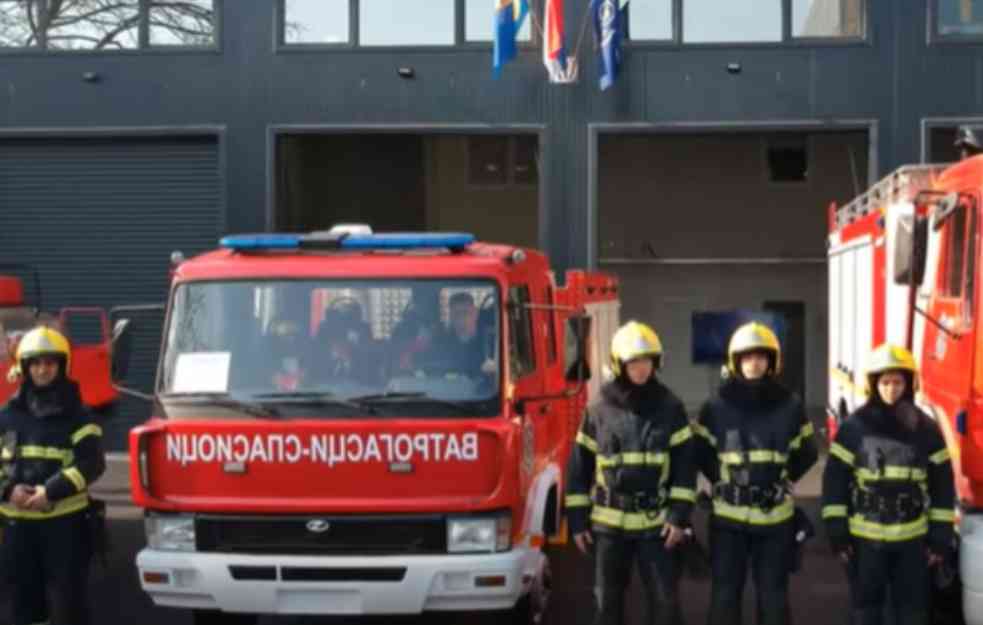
{"x": 172, "y": 532}
{"x": 479, "y": 534}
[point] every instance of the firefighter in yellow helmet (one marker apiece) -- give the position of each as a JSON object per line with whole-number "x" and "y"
{"x": 631, "y": 481}
{"x": 888, "y": 494}
{"x": 51, "y": 451}
{"x": 753, "y": 443}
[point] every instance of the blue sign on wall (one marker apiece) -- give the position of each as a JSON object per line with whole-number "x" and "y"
{"x": 711, "y": 331}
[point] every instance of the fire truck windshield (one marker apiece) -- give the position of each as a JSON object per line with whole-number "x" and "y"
{"x": 308, "y": 346}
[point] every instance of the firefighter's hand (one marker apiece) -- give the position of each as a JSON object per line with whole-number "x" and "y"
{"x": 20, "y": 495}
{"x": 673, "y": 534}
{"x": 38, "y": 501}
{"x": 583, "y": 540}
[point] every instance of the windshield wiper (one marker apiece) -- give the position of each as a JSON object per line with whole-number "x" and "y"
{"x": 316, "y": 398}
{"x": 416, "y": 397}
{"x": 225, "y": 401}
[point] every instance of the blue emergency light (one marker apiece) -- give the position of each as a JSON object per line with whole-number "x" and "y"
{"x": 454, "y": 241}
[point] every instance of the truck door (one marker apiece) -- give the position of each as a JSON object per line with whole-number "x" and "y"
{"x": 949, "y": 336}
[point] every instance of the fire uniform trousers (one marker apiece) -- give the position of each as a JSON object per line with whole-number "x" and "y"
{"x": 888, "y": 491}
{"x": 49, "y": 550}
{"x": 631, "y": 470}
{"x": 753, "y": 443}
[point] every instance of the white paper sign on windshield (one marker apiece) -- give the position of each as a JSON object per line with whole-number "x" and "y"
{"x": 202, "y": 372}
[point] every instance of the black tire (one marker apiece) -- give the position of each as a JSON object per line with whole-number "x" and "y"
{"x": 532, "y": 608}
{"x": 217, "y": 617}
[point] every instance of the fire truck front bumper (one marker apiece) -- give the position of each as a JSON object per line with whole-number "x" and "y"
{"x": 971, "y": 567}
{"x": 261, "y": 584}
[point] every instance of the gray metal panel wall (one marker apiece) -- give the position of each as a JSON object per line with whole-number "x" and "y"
{"x": 99, "y": 218}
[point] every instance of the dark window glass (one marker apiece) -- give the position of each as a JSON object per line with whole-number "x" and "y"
{"x": 525, "y": 164}
{"x": 521, "y": 353}
{"x": 955, "y": 252}
{"x": 488, "y": 159}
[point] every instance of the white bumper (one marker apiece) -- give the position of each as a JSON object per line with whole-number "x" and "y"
{"x": 439, "y": 582}
{"x": 971, "y": 568}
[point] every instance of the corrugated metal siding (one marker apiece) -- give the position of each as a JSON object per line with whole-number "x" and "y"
{"x": 100, "y": 217}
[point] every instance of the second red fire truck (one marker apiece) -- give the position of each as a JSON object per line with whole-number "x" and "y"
{"x": 904, "y": 259}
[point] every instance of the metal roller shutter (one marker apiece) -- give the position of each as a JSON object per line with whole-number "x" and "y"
{"x": 99, "y": 218}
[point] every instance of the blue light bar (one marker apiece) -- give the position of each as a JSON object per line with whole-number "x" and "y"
{"x": 365, "y": 242}
{"x": 259, "y": 242}
{"x": 407, "y": 241}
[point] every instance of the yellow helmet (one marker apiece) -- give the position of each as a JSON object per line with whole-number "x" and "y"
{"x": 887, "y": 357}
{"x": 44, "y": 341}
{"x": 634, "y": 340}
{"x": 752, "y": 337}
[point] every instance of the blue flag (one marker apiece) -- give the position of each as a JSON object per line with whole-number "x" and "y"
{"x": 609, "y": 28}
{"x": 509, "y": 16}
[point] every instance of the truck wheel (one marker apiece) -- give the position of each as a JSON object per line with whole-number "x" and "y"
{"x": 532, "y": 607}
{"x": 217, "y": 617}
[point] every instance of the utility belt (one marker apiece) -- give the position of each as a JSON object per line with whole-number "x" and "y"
{"x": 640, "y": 501}
{"x": 891, "y": 508}
{"x": 762, "y": 497}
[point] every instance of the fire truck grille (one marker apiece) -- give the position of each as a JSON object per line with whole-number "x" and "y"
{"x": 349, "y": 535}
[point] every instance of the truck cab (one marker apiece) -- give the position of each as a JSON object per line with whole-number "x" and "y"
{"x": 359, "y": 423}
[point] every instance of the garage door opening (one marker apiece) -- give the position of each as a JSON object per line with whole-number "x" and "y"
{"x": 486, "y": 184}
{"x": 735, "y": 221}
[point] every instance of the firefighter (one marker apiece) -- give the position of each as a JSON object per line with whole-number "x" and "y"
{"x": 51, "y": 452}
{"x": 632, "y": 482}
{"x": 888, "y": 494}
{"x": 967, "y": 143}
{"x": 754, "y": 442}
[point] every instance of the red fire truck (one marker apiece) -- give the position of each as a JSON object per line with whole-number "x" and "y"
{"x": 91, "y": 352}
{"x": 356, "y": 423}
{"x": 903, "y": 259}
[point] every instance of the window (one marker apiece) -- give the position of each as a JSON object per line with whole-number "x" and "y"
{"x": 522, "y": 358}
{"x": 548, "y": 320}
{"x": 788, "y": 158}
{"x": 957, "y": 253}
{"x": 499, "y": 160}
{"x": 479, "y": 22}
{"x": 402, "y": 23}
{"x": 650, "y": 20}
{"x": 827, "y": 18}
{"x": 734, "y": 21}
{"x": 959, "y": 18}
{"x": 316, "y": 21}
{"x": 190, "y": 23}
{"x": 106, "y": 24}
{"x": 525, "y": 162}
{"x": 435, "y": 339}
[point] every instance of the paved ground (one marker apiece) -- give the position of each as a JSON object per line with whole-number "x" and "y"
{"x": 819, "y": 592}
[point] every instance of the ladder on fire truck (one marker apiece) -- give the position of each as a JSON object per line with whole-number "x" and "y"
{"x": 901, "y": 185}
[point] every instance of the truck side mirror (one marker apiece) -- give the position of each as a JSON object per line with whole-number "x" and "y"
{"x": 124, "y": 333}
{"x": 122, "y": 349}
{"x": 910, "y": 246}
{"x": 577, "y": 348}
